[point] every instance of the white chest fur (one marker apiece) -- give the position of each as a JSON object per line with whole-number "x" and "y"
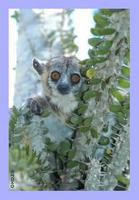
{"x": 66, "y": 103}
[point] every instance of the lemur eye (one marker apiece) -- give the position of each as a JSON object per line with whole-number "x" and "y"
{"x": 55, "y": 76}
{"x": 75, "y": 78}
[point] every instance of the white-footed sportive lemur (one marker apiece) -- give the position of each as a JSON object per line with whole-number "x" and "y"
{"x": 61, "y": 81}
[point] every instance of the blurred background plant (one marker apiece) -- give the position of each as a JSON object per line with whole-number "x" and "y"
{"x": 96, "y": 157}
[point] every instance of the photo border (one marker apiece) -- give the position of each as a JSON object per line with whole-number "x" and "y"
{"x": 134, "y": 111}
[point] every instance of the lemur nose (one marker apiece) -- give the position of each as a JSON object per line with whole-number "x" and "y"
{"x": 63, "y": 88}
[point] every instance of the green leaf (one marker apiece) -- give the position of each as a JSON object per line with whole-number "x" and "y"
{"x": 102, "y": 31}
{"x": 88, "y": 63}
{"x": 104, "y": 140}
{"x": 124, "y": 83}
{"x": 95, "y": 41}
{"x": 104, "y": 47}
{"x": 82, "y": 108}
{"x": 121, "y": 117}
{"x": 72, "y": 164}
{"x": 89, "y": 94}
{"x": 115, "y": 108}
{"x": 83, "y": 62}
{"x": 76, "y": 119}
{"x": 63, "y": 147}
{"x": 100, "y": 60}
{"x": 95, "y": 59}
{"x": 13, "y": 119}
{"x": 107, "y": 12}
{"x": 116, "y": 93}
{"x": 125, "y": 71}
{"x": 31, "y": 159}
{"x": 52, "y": 147}
{"x": 16, "y": 16}
{"x": 101, "y": 20}
{"x": 102, "y": 51}
{"x": 71, "y": 154}
{"x": 95, "y": 81}
{"x": 87, "y": 121}
{"x": 45, "y": 113}
{"x": 122, "y": 179}
{"x": 92, "y": 53}
{"x": 90, "y": 73}
{"x": 94, "y": 133}
{"x": 83, "y": 129}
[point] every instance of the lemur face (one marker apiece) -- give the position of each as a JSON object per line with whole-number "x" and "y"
{"x": 61, "y": 80}
{"x": 61, "y": 74}
{"x": 65, "y": 77}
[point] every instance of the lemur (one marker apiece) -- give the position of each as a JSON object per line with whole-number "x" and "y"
{"x": 61, "y": 81}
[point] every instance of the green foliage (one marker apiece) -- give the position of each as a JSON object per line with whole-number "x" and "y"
{"x": 104, "y": 140}
{"x": 65, "y": 33}
{"x": 122, "y": 179}
{"x": 89, "y": 94}
{"x": 101, "y": 20}
{"x": 111, "y": 102}
{"x": 95, "y": 41}
{"x": 16, "y": 16}
{"x": 124, "y": 83}
{"x": 25, "y": 159}
{"x": 125, "y": 71}
{"x": 76, "y": 120}
{"x": 118, "y": 95}
{"x": 67, "y": 37}
{"x": 96, "y": 157}
{"x": 102, "y": 31}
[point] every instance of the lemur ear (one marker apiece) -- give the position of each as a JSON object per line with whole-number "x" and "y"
{"x": 38, "y": 66}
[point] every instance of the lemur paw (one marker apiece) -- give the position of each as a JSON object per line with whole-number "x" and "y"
{"x": 34, "y": 106}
